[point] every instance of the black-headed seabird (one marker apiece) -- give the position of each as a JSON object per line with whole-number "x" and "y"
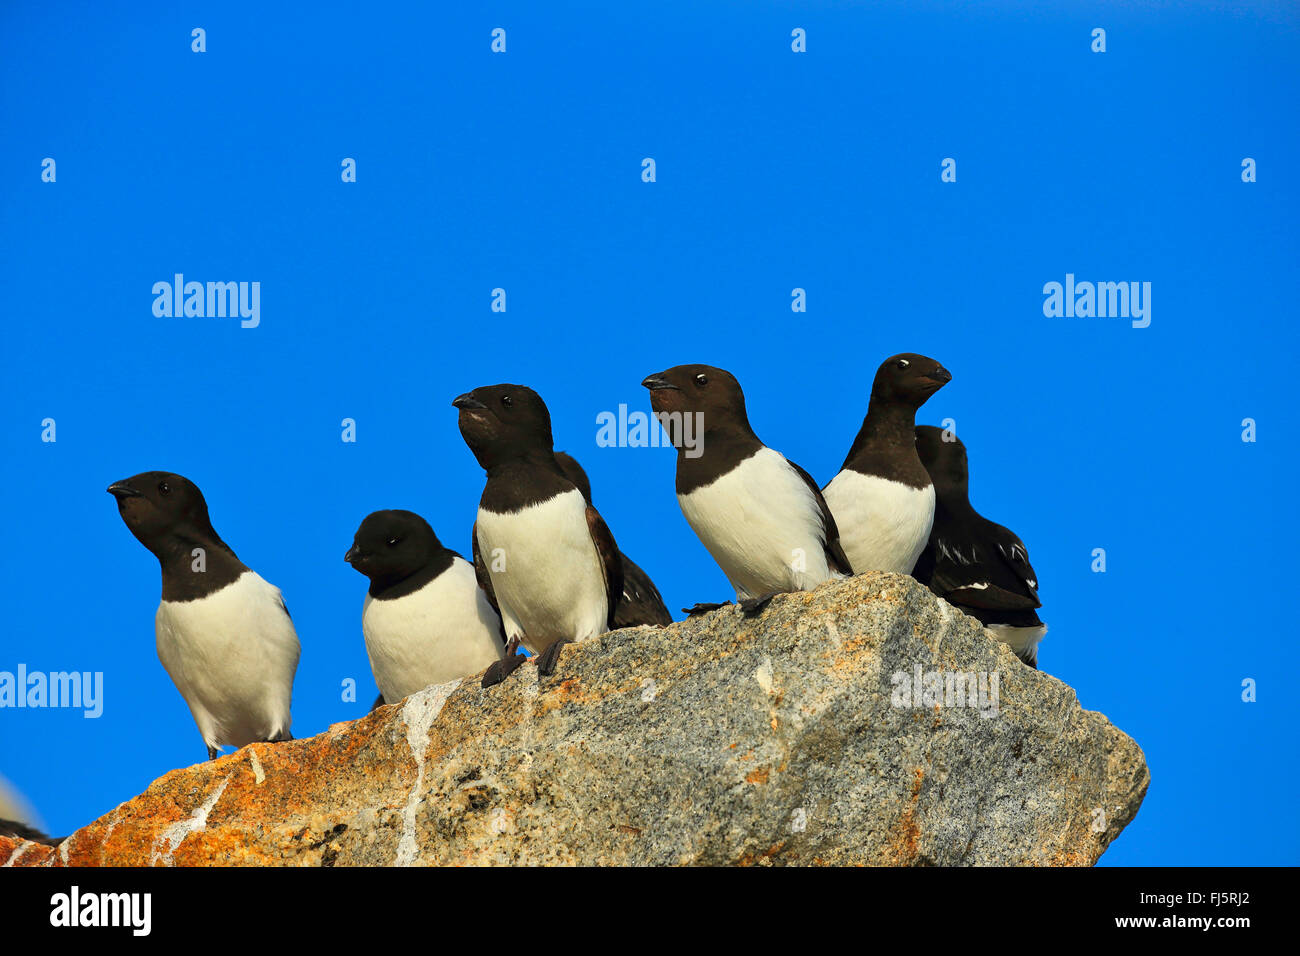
{"x": 759, "y": 514}
{"x": 425, "y": 619}
{"x": 223, "y": 633}
{"x": 972, "y": 563}
{"x": 882, "y": 497}
{"x": 543, "y": 555}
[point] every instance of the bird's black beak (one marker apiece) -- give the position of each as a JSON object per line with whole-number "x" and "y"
{"x": 467, "y": 401}
{"x": 353, "y": 553}
{"x": 940, "y": 375}
{"x": 120, "y": 490}
{"x": 657, "y": 380}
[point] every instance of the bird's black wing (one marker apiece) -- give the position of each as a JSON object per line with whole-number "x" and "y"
{"x": 611, "y": 562}
{"x": 836, "y": 559}
{"x": 484, "y": 578}
{"x": 17, "y": 830}
{"x": 1016, "y": 557}
{"x": 974, "y": 570}
{"x": 923, "y": 570}
{"x": 641, "y": 602}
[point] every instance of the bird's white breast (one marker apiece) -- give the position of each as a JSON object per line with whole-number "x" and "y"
{"x": 546, "y": 572}
{"x": 232, "y": 655}
{"x": 762, "y": 524}
{"x": 445, "y": 630}
{"x": 883, "y": 524}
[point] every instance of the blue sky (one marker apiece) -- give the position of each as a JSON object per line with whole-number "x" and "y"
{"x": 775, "y": 170}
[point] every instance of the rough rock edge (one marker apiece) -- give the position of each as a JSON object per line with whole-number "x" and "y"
{"x": 155, "y": 825}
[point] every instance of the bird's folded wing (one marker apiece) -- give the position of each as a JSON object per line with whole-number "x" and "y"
{"x": 484, "y": 578}
{"x": 481, "y": 573}
{"x": 979, "y": 577}
{"x": 611, "y": 561}
{"x": 836, "y": 559}
{"x": 641, "y": 595}
{"x": 1015, "y": 555}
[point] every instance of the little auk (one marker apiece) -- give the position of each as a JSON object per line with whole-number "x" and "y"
{"x": 425, "y": 619}
{"x": 542, "y": 554}
{"x": 975, "y": 565}
{"x": 882, "y": 496}
{"x": 223, "y": 633}
{"x": 757, "y": 513}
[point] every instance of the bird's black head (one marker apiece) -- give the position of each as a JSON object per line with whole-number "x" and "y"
{"x": 703, "y": 389}
{"x": 503, "y": 423}
{"x": 390, "y": 546}
{"x": 945, "y": 460}
{"x": 909, "y": 378}
{"x": 162, "y": 509}
{"x": 573, "y": 471}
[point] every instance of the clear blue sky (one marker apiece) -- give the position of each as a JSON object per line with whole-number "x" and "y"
{"x": 775, "y": 170}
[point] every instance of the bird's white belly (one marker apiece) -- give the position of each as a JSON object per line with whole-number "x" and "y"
{"x": 546, "y": 572}
{"x": 1022, "y": 640}
{"x": 232, "y": 655}
{"x": 443, "y": 631}
{"x": 883, "y": 524}
{"x": 762, "y": 524}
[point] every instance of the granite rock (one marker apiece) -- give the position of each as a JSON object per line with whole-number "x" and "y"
{"x": 787, "y": 738}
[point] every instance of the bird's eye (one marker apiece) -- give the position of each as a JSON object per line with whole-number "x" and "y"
{"x": 903, "y": 363}
{"x": 164, "y": 488}
{"x": 392, "y": 542}
{"x": 701, "y": 380}
{"x": 507, "y": 401}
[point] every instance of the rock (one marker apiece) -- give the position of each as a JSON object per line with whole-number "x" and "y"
{"x": 781, "y": 739}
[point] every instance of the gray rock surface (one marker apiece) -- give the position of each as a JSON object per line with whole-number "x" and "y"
{"x": 780, "y": 739}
